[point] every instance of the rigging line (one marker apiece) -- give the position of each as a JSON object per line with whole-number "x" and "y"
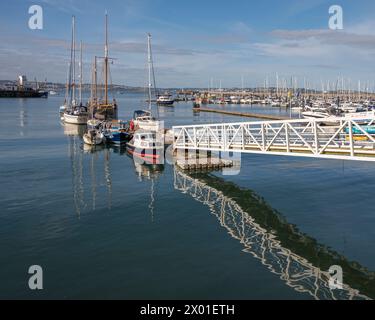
{"x": 111, "y": 84}
{"x": 102, "y": 85}
{"x": 145, "y": 94}
{"x": 67, "y": 85}
{"x": 146, "y": 78}
{"x": 153, "y": 77}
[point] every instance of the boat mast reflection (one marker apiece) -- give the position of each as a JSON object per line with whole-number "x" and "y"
{"x": 74, "y": 129}
{"x": 83, "y": 157}
{"x": 76, "y": 161}
{"x": 296, "y": 258}
{"x": 148, "y": 172}
{"x": 108, "y": 177}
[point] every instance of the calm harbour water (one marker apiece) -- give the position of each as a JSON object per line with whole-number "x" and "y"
{"x": 103, "y": 228}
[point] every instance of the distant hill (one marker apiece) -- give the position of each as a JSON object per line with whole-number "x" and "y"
{"x": 61, "y": 86}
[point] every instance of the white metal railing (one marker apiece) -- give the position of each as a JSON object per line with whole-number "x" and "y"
{"x": 336, "y": 138}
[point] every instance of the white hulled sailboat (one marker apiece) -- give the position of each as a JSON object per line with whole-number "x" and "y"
{"x": 143, "y": 119}
{"x": 74, "y": 113}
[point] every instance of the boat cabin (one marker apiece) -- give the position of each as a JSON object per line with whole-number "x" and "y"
{"x": 141, "y": 115}
{"x": 146, "y": 139}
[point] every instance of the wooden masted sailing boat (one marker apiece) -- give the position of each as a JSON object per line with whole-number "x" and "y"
{"x": 74, "y": 111}
{"x": 100, "y": 107}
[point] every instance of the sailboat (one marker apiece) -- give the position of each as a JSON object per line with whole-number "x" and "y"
{"x": 147, "y": 143}
{"x": 53, "y": 91}
{"x": 74, "y": 113}
{"x": 103, "y": 109}
{"x": 143, "y": 119}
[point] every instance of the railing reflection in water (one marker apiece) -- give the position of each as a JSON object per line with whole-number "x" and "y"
{"x": 264, "y": 244}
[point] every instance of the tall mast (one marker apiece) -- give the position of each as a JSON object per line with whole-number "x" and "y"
{"x": 80, "y": 75}
{"x": 94, "y": 84}
{"x": 359, "y": 90}
{"x": 74, "y": 62}
{"x": 67, "y": 87}
{"x": 277, "y": 84}
{"x": 149, "y": 68}
{"x": 95, "y": 80}
{"x": 106, "y": 59}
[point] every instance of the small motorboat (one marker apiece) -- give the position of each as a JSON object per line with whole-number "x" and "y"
{"x": 93, "y": 137}
{"x": 319, "y": 113}
{"x": 365, "y": 116}
{"x": 165, "y": 100}
{"x": 147, "y": 146}
{"x": 116, "y": 132}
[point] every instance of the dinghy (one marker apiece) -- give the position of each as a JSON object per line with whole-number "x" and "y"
{"x": 93, "y": 137}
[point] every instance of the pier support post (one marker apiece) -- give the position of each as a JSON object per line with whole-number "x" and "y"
{"x": 351, "y": 138}
{"x": 316, "y": 137}
{"x": 287, "y": 137}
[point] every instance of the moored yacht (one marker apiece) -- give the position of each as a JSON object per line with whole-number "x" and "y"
{"x": 74, "y": 112}
{"x": 234, "y": 100}
{"x": 143, "y": 119}
{"x": 102, "y": 107}
{"x": 321, "y": 113}
{"x": 365, "y": 116}
{"x": 76, "y": 115}
{"x": 316, "y": 114}
{"x": 165, "y": 99}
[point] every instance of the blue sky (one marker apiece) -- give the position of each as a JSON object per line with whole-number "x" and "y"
{"x": 195, "y": 42}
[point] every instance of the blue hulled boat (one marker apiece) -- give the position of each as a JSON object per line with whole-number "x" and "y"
{"x": 117, "y": 132}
